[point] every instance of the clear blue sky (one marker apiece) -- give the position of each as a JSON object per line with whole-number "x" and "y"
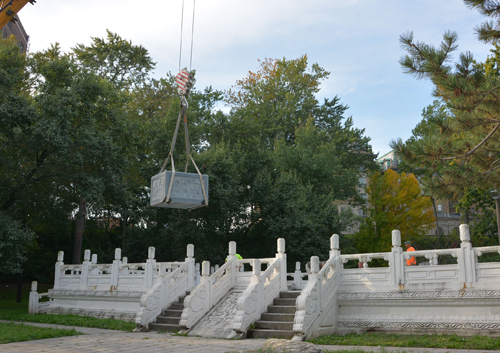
{"x": 356, "y": 40}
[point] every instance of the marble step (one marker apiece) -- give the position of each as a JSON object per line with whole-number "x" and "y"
{"x": 277, "y": 317}
{"x": 257, "y": 333}
{"x": 285, "y": 301}
{"x": 171, "y": 313}
{"x": 274, "y": 325}
{"x": 290, "y": 294}
{"x": 177, "y": 306}
{"x": 156, "y": 326}
{"x": 168, "y": 320}
{"x": 281, "y": 309}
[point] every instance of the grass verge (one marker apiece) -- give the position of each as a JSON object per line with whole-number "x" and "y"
{"x": 13, "y": 311}
{"x": 421, "y": 341}
{"x": 10, "y": 332}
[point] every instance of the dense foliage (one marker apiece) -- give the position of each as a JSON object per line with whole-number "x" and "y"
{"x": 456, "y": 147}
{"x": 396, "y": 202}
{"x": 82, "y": 133}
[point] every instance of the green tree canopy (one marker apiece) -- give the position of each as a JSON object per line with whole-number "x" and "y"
{"x": 461, "y": 143}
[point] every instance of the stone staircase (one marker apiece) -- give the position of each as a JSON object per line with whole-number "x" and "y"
{"x": 168, "y": 320}
{"x": 277, "y": 322}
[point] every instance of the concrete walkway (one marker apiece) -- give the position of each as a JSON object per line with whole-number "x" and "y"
{"x": 99, "y": 340}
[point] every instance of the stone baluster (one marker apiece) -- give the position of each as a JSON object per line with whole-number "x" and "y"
{"x": 84, "y": 279}
{"x": 115, "y": 269}
{"x": 212, "y": 270}
{"x": 466, "y": 259}
{"x": 58, "y": 270}
{"x": 281, "y": 256}
{"x": 124, "y": 267}
{"x": 396, "y": 262}
{"x": 150, "y": 266}
{"x": 33, "y": 299}
{"x": 297, "y": 276}
{"x": 191, "y": 268}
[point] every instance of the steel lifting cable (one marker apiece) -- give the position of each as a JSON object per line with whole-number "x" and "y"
{"x": 184, "y": 80}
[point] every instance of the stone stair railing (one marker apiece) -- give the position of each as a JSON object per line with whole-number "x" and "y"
{"x": 212, "y": 289}
{"x": 264, "y": 287}
{"x": 173, "y": 281}
{"x": 34, "y": 304}
{"x": 338, "y": 299}
{"x": 122, "y": 290}
{"x": 297, "y": 280}
{"x": 320, "y": 293}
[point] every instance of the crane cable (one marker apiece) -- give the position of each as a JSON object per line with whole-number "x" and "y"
{"x": 185, "y": 82}
{"x": 192, "y": 36}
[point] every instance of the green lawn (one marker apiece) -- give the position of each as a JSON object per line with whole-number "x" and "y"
{"x": 10, "y": 332}
{"x": 422, "y": 341}
{"x": 10, "y": 310}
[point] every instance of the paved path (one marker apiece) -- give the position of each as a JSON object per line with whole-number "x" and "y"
{"x": 99, "y": 341}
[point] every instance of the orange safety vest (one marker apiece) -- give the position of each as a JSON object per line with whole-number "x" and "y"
{"x": 411, "y": 260}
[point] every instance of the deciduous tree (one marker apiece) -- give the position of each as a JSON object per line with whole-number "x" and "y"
{"x": 395, "y": 202}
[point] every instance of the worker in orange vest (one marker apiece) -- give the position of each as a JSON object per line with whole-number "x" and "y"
{"x": 411, "y": 260}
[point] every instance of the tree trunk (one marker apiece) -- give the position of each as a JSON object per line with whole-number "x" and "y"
{"x": 437, "y": 221}
{"x": 19, "y": 286}
{"x": 80, "y": 228}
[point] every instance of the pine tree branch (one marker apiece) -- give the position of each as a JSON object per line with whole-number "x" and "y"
{"x": 475, "y": 148}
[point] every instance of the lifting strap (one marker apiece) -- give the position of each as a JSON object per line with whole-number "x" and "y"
{"x": 184, "y": 81}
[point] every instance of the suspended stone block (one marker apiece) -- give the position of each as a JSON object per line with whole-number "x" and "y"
{"x": 186, "y": 190}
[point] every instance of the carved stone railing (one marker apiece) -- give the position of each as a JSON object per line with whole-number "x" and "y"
{"x": 319, "y": 295}
{"x": 34, "y": 304}
{"x": 173, "y": 281}
{"x": 139, "y": 291}
{"x": 263, "y": 288}
{"x": 297, "y": 280}
{"x": 211, "y": 289}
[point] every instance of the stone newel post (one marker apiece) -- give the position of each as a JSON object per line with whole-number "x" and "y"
{"x": 33, "y": 300}
{"x": 334, "y": 245}
{"x": 466, "y": 259}
{"x": 232, "y": 251}
{"x": 314, "y": 268}
{"x": 396, "y": 261}
{"x": 282, "y": 256}
{"x": 191, "y": 269}
{"x": 58, "y": 269}
{"x": 234, "y": 265}
{"x": 85, "y": 270}
{"x": 93, "y": 261}
{"x": 115, "y": 269}
{"x": 297, "y": 276}
{"x": 205, "y": 280}
{"x": 150, "y": 266}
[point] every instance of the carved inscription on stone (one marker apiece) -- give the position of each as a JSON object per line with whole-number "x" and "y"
{"x": 158, "y": 189}
{"x": 187, "y": 188}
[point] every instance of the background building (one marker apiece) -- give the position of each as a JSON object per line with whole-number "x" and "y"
{"x": 16, "y": 29}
